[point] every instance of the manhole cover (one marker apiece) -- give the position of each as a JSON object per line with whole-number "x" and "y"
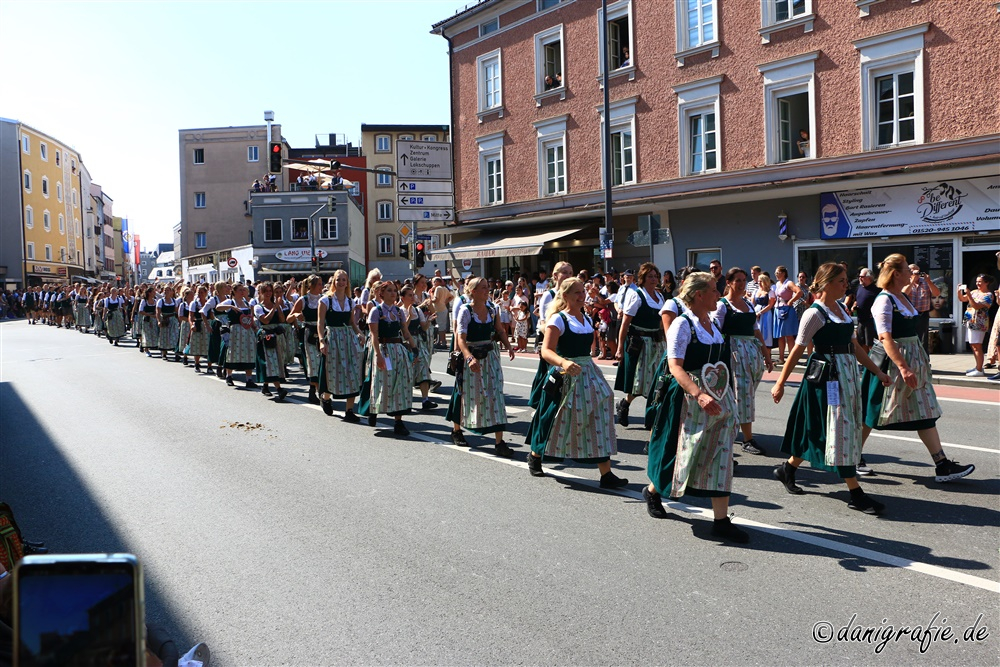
{"x": 734, "y": 566}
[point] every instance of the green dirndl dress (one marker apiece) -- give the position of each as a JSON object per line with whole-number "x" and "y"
{"x": 310, "y": 339}
{"x": 150, "y": 329}
{"x": 114, "y": 319}
{"x": 241, "y": 350}
{"x": 422, "y": 358}
{"x": 215, "y": 334}
{"x": 170, "y": 331}
{"x": 689, "y": 450}
{"x": 340, "y": 369}
{"x": 183, "y": 310}
{"x": 897, "y": 407}
{"x": 291, "y": 346}
{"x": 747, "y": 359}
{"x": 636, "y": 373}
{"x": 578, "y": 423}
{"x": 828, "y": 436}
{"x": 197, "y": 344}
{"x": 269, "y": 354}
{"x": 83, "y": 318}
{"x": 391, "y": 391}
{"x": 477, "y": 402}
{"x": 538, "y": 381}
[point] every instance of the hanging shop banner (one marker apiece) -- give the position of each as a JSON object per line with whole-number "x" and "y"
{"x": 939, "y": 207}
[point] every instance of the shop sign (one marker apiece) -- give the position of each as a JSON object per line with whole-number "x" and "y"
{"x": 40, "y": 268}
{"x": 939, "y": 207}
{"x": 298, "y": 254}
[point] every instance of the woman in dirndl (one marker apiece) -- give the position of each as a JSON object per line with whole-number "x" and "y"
{"x": 390, "y": 373}
{"x": 690, "y": 445}
{"x": 270, "y": 366}
{"x": 114, "y": 316}
{"x": 824, "y": 425}
{"x": 83, "y": 319}
{"x": 418, "y": 324}
{"x": 477, "y": 402}
{"x": 241, "y": 351}
{"x": 97, "y": 304}
{"x": 560, "y": 272}
{"x": 909, "y": 403}
{"x": 146, "y": 308}
{"x": 183, "y": 316}
{"x": 221, "y": 293}
{"x": 736, "y": 319}
{"x": 169, "y": 325}
{"x": 339, "y": 344}
{"x": 305, "y": 313}
{"x": 640, "y": 337}
{"x": 197, "y": 345}
{"x": 576, "y": 420}
{"x": 671, "y": 308}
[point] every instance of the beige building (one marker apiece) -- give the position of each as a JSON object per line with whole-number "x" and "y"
{"x": 218, "y": 166}
{"x": 378, "y": 143}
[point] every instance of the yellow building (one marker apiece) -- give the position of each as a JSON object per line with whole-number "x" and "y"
{"x": 51, "y": 208}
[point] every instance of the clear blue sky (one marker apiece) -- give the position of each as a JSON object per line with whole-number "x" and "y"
{"x": 117, "y": 80}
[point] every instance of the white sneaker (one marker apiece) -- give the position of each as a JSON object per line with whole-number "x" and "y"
{"x": 975, "y": 374}
{"x": 863, "y": 468}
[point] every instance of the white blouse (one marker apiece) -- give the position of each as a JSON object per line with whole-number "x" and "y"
{"x": 575, "y": 325}
{"x": 632, "y": 301}
{"x": 719, "y": 316}
{"x": 679, "y": 336}
{"x": 812, "y": 322}
{"x": 466, "y": 315}
{"x": 882, "y": 311}
{"x": 334, "y": 304}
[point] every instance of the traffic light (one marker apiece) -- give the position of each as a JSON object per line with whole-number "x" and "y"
{"x": 419, "y": 259}
{"x": 274, "y": 158}
{"x": 315, "y": 263}
{"x": 404, "y": 249}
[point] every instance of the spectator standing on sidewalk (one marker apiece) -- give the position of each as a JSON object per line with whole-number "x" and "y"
{"x": 867, "y": 291}
{"x": 977, "y": 318}
{"x": 919, "y": 291}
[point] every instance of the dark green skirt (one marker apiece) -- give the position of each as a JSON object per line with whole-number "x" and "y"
{"x": 805, "y": 432}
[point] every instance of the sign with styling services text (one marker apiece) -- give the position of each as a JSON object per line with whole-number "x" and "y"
{"x": 938, "y": 207}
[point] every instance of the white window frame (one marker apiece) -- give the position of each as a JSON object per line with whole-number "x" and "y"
{"x": 788, "y": 76}
{"x": 381, "y": 139}
{"x": 694, "y": 251}
{"x": 30, "y": 250}
{"x": 281, "y": 230}
{"x": 58, "y": 157}
{"x": 540, "y": 5}
{"x": 429, "y": 137}
{"x": 622, "y": 114}
{"x": 490, "y": 150}
{"x": 308, "y": 229}
{"x": 200, "y": 200}
{"x": 253, "y": 153}
{"x": 48, "y": 252}
{"x": 45, "y": 186}
{"x": 542, "y": 40}
{"x": 769, "y": 23}
{"x": 26, "y": 181}
{"x": 405, "y": 137}
{"x": 383, "y": 179}
{"x": 486, "y": 27}
{"x": 62, "y": 224}
{"x": 551, "y": 133}
{"x": 74, "y": 198}
{"x": 59, "y": 195}
{"x": 385, "y": 245}
{"x": 685, "y": 48}
{"x": 26, "y": 144}
{"x": 698, "y": 97}
{"x": 324, "y": 229}
{"x": 29, "y": 217}
{"x": 616, "y": 11}
{"x": 891, "y": 53}
{"x": 43, "y": 151}
{"x": 483, "y": 62}
{"x": 194, "y": 156}
{"x": 384, "y": 211}
{"x": 47, "y": 220}
{"x": 201, "y": 240}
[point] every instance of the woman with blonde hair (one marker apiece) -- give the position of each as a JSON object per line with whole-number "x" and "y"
{"x": 824, "y": 425}
{"x": 146, "y": 308}
{"x": 560, "y": 272}
{"x": 909, "y": 403}
{"x": 240, "y": 351}
{"x": 305, "y": 313}
{"x": 197, "y": 345}
{"x": 390, "y": 373}
{"x": 341, "y": 361}
{"x": 169, "y": 325}
{"x": 269, "y": 366}
{"x": 763, "y": 304}
{"x": 641, "y": 338}
{"x": 418, "y": 324}
{"x": 183, "y": 312}
{"x": 477, "y": 402}
{"x": 691, "y": 442}
{"x": 786, "y": 320}
{"x": 575, "y": 421}
{"x": 113, "y": 307}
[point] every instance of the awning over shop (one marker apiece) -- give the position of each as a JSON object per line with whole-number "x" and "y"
{"x": 500, "y": 245}
{"x": 299, "y": 268}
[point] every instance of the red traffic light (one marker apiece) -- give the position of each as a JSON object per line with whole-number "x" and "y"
{"x": 420, "y": 246}
{"x": 275, "y": 148}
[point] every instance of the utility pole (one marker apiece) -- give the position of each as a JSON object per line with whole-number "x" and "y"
{"x": 607, "y": 235}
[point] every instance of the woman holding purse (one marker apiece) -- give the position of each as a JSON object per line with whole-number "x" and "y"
{"x": 340, "y": 347}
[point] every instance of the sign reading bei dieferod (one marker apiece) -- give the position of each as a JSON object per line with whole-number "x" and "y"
{"x": 937, "y": 207}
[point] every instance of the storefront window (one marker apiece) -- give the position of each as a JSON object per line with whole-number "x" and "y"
{"x": 935, "y": 259}
{"x": 702, "y": 258}
{"x": 810, "y": 259}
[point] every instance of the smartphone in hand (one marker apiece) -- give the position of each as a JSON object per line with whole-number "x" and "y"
{"x": 79, "y": 609}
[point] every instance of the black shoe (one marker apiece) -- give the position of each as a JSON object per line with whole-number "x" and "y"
{"x": 862, "y": 502}
{"x": 458, "y": 439}
{"x": 399, "y": 428}
{"x": 197, "y": 367}
{"x": 535, "y": 465}
{"x": 863, "y": 469}
{"x": 266, "y": 391}
{"x": 785, "y": 473}
{"x": 229, "y": 381}
{"x": 645, "y": 449}
{"x": 948, "y": 471}
{"x": 34, "y": 548}
{"x": 725, "y": 530}
{"x": 185, "y": 360}
{"x": 621, "y": 412}
{"x": 220, "y": 371}
{"x": 428, "y": 405}
{"x": 503, "y": 451}
{"x": 282, "y": 393}
{"x": 351, "y": 418}
{"x": 251, "y": 384}
{"x": 435, "y": 385}
{"x": 314, "y": 399}
{"x": 327, "y": 407}
{"x": 372, "y": 419}
{"x": 654, "y": 504}
{"x": 751, "y": 447}
{"x": 611, "y": 481}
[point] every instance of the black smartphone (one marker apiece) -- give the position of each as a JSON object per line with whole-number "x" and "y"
{"x": 78, "y": 609}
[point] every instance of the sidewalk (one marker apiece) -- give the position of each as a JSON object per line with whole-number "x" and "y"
{"x": 951, "y": 368}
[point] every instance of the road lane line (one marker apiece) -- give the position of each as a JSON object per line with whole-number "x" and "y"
{"x": 969, "y": 400}
{"x": 943, "y": 444}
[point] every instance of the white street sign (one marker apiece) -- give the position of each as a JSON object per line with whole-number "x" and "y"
{"x": 423, "y": 159}
{"x": 412, "y": 214}
{"x": 426, "y": 186}
{"x": 426, "y": 201}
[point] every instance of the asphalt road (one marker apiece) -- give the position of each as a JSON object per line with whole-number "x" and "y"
{"x": 281, "y": 536}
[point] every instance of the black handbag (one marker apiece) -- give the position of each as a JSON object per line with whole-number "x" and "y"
{"x": 554, "y": 382}
{"x": 816, "y": 371}
{"x": 879, "y": 356}
{"x": 634, "y": 345}
{"x": 270, "y": 340}
{"x": 455, "y": 361}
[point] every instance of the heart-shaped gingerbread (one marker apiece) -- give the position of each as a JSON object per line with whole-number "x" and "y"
{"x": 715, "y": 378}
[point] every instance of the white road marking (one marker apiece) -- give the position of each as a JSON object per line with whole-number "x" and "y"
{"x": 875, "y": 434}
{"x": 995, "y": 404}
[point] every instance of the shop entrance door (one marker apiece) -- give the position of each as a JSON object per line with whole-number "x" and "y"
{"x": 977, "y": 260}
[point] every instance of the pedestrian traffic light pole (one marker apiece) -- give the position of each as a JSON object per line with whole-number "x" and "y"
{"x": 313, "y": 259}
